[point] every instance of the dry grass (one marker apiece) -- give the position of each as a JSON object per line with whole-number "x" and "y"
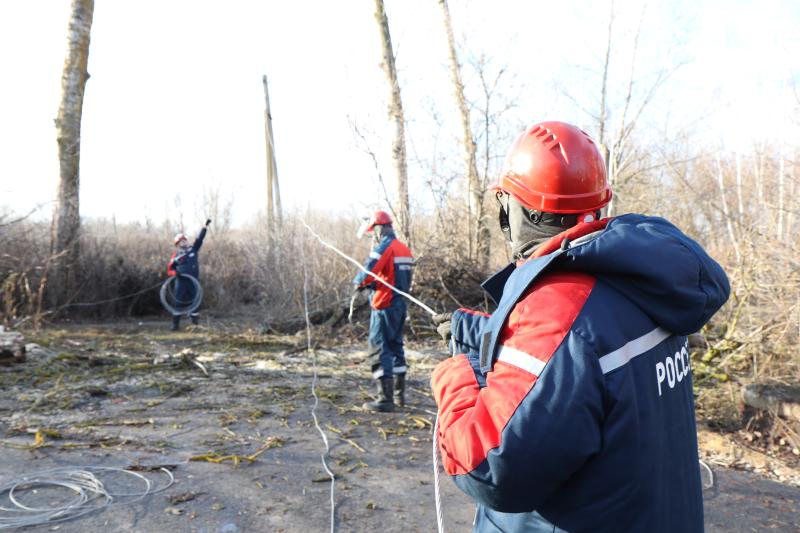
{"x": 753, "y": 338}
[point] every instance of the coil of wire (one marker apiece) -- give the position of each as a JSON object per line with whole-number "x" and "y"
{"x": 177, "y": 304}
{"x": 85, "y": 493}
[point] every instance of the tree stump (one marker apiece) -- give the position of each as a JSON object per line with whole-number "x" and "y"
{"x": 783, "y": 400}
{"x": 12, "y": 347}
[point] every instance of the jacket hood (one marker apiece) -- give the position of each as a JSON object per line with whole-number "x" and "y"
{"x": 655, "y": 265}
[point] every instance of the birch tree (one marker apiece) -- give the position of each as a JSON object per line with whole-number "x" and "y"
{"x": 397, "y": 117}
{"x": 66, "y": 216}
{"x": 475, "y": 191}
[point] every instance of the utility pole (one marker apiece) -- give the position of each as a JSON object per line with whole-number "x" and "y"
{"x": 274, "y": 211}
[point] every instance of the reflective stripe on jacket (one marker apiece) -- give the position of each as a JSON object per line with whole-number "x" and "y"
{"x": 574, "y": 399}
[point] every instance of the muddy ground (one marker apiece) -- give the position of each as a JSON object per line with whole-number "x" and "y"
{"x": 228, "y": 411}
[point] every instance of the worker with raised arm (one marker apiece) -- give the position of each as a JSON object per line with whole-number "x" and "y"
{"x": 570, "y": 408}
{"x": 185, "y": 260}
{"x": 392, "y": 262}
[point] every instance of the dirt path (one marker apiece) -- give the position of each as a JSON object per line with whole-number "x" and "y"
{"x": 132, "y": 394}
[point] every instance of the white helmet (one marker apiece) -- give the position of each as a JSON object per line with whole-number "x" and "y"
{"x": 178, "y": 238}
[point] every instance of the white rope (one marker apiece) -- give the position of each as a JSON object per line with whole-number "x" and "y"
{"x": 90, "y": 494}
{"x": 313, "y": 354}
{"x": 352, "y": 307}
{"x": 436, "y": 490}
{"x": 437, "y": 496}
{"x": 356, "y": 263}
{"x": 710, "y": 475}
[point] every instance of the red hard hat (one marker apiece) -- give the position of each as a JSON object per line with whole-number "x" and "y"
{"x": 178, "y": 238}
{"x": 380, "y": 218}
{"x": 556, "y": 168}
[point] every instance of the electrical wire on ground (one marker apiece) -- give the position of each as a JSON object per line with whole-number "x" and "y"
{"x": 437, "y": 494}
{"x": 313, "y": 354}
{"x": 109, "y": 300}
{"x": 98, "y": 302}
{"x": 90, "y": 494}
{"x": 166, "y": 292}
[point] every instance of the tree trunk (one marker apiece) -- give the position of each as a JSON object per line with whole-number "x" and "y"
{"x": 758, "y": 162}
{"x": 602, "y": 117}
{"x": 66, "y": 216}
{"x": 396, "y": 115}
{"x": 12, "y": 347}
{"x": 725, "y": 211}
{"x": 783, "y": 400}
{"x": 475, "y": 204}
{"x": 739, "y": 195}
{"x": 781, "y": 192}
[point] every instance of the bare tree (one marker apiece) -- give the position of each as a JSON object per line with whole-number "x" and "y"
{"x": 725, "y": 211}
{"x": 66, "y": 216}
{"x": 781, "y": 191}
{"x": 368, "y": 150}
{"x": 601, "y": 117}
{"x": 622, "y": 158}
{"x": 398, "y": 118}
{"x": 475, "y": 191}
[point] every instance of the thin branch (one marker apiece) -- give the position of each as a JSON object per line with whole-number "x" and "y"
{"x": 366, "y": 148}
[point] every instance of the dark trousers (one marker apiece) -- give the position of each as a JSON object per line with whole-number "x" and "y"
{"x": 386, "y": 354}
{"x": 488, "y": 521}
{"x": 184, "y": 292}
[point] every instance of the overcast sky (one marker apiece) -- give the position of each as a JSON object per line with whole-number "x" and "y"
{"x": 174, "y": 106}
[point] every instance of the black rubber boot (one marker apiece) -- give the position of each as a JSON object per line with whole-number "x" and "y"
{"x": 176, "y": 323}
{"x": 195, "y": 318}
{"x": 384, "y": 403}
{"x": 400, "y": 389}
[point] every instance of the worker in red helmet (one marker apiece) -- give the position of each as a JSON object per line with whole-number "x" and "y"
{"x": 570, "y": 408}
{"x": 185, "y": 260}
{"x": 392, "y": 262}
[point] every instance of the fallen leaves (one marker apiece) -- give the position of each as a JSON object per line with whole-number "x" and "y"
{"x": 218, "y": 458}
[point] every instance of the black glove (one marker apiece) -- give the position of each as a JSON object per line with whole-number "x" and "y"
{"x": 208, "y": 222}
{"x": 443, "y": 321}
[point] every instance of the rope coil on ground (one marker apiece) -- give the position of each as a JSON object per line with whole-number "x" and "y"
{"x": 172, "y": 303}
{"x": 90, "y": 494}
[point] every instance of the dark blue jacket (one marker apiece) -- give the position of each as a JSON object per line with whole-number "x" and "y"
{"x": 187, "y": 262}
{"x": 574, "y": 398}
